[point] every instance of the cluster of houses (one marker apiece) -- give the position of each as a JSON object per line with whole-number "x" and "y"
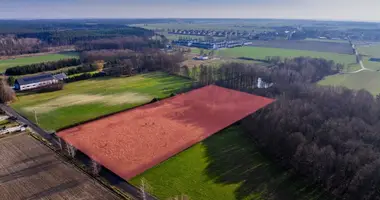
{"x": 38, "y": 81}
{"x": 211, "y": 45}
{"x": 213, "y": 33}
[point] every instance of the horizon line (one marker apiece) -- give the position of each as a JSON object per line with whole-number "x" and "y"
{"x": 188, "y": 18}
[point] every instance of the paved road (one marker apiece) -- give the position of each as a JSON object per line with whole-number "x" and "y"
{"x": 123, "y": 185}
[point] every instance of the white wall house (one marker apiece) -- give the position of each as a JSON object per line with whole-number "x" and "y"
{"x": 32, "y": 82}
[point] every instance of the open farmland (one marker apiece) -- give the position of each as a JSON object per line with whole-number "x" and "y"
{"x": 340, "y": 48}
{"x": 368, "y": 52}
{"x": 148, "y": 135}
{"x": 261, "y": 53}
{"x": 368, "y": 80}
{"x": 4, "y": 64}
{"x": 225, "y": 166}
{"x": 84, "y": 100}
{"x": 29, "y": 170}
{"x": 327, "y": 40}
{"x": 362, "y": 80}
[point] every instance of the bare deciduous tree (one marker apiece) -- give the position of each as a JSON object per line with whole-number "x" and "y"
{"x": 7, "y": 94}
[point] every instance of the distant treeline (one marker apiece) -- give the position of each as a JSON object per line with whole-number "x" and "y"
{"x": 133, "y": 43}
{"x": 327, "y": 134}
{"x": 69, "y": 37}
{"x": 10, "y": 45}
{"x": 34, "y": 36}
{"x": 42, "y": 67}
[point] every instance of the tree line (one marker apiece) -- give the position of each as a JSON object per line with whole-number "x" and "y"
{"x": 132, "y": 42}
{"x": 330, "y": 135}
{"x": 42, "y": 67}
{"x": 144, "y": 62}
{"x": 11, "y": 45}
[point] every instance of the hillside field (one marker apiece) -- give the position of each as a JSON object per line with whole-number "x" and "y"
{"x": 224, "y": 166}
{"x": 84, "y": 100}
{"x": 4, "y": 64}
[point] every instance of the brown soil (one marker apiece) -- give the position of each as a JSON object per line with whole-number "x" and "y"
{"x": 29, "y": 170}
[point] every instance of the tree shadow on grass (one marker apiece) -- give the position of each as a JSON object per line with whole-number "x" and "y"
{"x": 233, "y": 159}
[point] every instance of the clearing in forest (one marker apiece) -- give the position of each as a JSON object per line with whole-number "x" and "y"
{"x": 148, "y": 135}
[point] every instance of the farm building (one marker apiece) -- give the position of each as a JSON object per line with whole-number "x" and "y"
{"x": 209, "y": 45}
{"x": 33, "y": 82}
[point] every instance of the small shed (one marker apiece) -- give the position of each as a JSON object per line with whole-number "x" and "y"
{"x": 60, "y": 76}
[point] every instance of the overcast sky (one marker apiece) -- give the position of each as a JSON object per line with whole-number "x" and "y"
{"x": 359, "y": 10}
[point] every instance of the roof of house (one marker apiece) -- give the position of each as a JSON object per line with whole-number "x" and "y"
{"x": 34, "y": 79}
{"x": 60, "y": 76}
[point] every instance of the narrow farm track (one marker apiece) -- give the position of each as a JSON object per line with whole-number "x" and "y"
{"x": 363, "y": 68}
{"x": 125, "y": 186}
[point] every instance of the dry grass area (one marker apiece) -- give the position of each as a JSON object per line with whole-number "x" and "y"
{"x": 81, "y": 99}
{"x": 29, "y": 170}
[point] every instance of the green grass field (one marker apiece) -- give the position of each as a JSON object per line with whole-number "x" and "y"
{"x": 373, "y": 50}
{"x": 262, "y": 53}
{"x": 363, "y": 80}
{"x": 225, "y": 166}
{"x": 4, "y": 64}
{"x": 370, "y": 52}
{"x": 88, "y": 99}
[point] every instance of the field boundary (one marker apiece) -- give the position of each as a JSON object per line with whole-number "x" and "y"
{"x": 50, "y": 142}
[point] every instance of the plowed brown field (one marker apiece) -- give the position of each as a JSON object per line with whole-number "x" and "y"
{"x": 131, "y": 142}
{"x": 30, "y": 170}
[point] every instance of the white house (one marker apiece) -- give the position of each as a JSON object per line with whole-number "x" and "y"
{"x": 32, "y": 82}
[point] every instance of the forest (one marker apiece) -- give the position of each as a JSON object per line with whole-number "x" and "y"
{"x": 132, "y": 42}
{"x": 329, "y": 135}
{"x": 36, "y": 36}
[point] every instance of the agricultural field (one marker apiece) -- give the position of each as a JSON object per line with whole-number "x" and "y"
{"x": 261, "y": 53}
{"x": 368, "y": 52}
{"x": 84, "y": 100}
{"x": 368, "y": 80}
{"x": 148, "y": 135}
{"x": 340, "y": 48}
{"x": 327, "y": 40}
{"x": 225, "y": 166}
{"x": 362, "y": 80}
{"x": 29, "y": 170}
{"x": 4, "y": 64}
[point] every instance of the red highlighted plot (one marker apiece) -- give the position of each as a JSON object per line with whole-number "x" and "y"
{"x": 130, "y": 142}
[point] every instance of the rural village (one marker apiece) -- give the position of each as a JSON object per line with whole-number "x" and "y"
{"x": 189, "y": 109}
